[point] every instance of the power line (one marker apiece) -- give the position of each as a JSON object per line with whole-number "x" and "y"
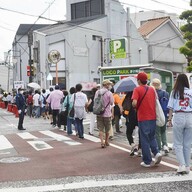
{"x": 167, "y": 4}
{"x": 22, "y": 13}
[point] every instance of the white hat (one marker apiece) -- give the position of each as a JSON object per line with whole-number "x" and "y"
{"x": 156, "y": 83}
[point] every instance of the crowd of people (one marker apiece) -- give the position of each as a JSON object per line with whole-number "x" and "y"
{"x": 137, "y": 107}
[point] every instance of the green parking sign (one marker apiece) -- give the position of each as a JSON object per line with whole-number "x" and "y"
{"x": 118, "y": 49}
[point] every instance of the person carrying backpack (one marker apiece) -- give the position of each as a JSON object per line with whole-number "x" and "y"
{"x": 161, "y": 131}
{"x": 103, "y": 102}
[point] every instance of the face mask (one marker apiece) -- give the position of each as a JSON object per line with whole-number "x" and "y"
{"x": 21, "y": 92}
{"x": 110, "y": 87}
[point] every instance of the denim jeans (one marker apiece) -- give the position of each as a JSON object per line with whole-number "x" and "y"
{"x": 182, "y": 137}
{"x": 161, "y": 136}
{"x": 80, "y": 128}
{"x": 70, "y": 121}
{"x": 36, "y": 110}
{"x": 148, "y": 140}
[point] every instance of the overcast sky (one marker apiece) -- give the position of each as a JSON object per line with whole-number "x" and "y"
{"x": 10, "y": 21}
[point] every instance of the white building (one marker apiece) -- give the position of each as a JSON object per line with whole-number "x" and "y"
{"x": 83, "y": 42}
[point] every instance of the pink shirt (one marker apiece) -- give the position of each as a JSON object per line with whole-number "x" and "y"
{"x": 108, "y": 101}
{"x": 55, "y": 99}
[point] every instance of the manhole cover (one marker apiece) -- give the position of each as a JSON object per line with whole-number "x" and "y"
{"x": 14, "y": 160}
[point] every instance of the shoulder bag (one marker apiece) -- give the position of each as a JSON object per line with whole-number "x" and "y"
{"x": 72, "y": 111}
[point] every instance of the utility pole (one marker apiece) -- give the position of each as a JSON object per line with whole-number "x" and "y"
{"x": 128, "y": 36}
{"x": 30, "y": 42}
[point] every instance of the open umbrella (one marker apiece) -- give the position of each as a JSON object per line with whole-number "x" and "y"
{"x": 34, "y": 85}
{"x": 125, "y": 85}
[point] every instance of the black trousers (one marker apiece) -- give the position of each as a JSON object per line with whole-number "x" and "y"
{"x": 55, "y": 113}
{"x": 21, "y": 118}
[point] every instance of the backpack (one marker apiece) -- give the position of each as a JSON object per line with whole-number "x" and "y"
{"x": 98, "y": 106}
{"x": 164, "y": 102}
{"x": 126, "y": 105}
{"x": 30, "y": 100}
{"x": 44, "y": 100}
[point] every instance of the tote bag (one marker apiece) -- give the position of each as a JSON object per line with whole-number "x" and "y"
{"x": 160, "y": 117}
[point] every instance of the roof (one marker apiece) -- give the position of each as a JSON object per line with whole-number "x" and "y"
{"x": 66, "y": 25}
{"x": 25, "y": 28}
{"x": 151, "y": 25}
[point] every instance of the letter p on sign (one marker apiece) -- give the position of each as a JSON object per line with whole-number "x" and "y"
{"x": 116, "y": 45}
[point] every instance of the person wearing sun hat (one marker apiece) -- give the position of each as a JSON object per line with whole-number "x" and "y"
{"x": 144, "y": 100}
{"x": 104, "y": 121}
{"x": 161, "y": 131}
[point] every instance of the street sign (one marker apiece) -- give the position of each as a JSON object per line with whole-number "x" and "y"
{"x": 118, "y": 49}
{"x": 19, "y": 84}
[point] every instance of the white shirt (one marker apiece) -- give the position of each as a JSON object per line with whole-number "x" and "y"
{"x": 181, "y": 105}
{"x": 80, "y": 99}
{"x": 36, "y": 99}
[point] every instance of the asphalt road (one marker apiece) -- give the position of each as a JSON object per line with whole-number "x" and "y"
{"x": 46, "y": 159}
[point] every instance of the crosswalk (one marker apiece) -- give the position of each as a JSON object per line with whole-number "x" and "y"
{"x": 40, "y": 143}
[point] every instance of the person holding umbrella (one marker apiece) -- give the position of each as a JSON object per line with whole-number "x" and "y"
{"x": 21, "y": 106}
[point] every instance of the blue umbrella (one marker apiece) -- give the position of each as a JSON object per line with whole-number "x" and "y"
{"x": 125, "y": 85}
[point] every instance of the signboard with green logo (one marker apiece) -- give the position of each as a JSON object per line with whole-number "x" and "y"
{"x": 118, "y": 49}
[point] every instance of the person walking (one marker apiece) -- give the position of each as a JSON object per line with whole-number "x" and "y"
{"x": 36, "y": 104}
{"x": 30, "y": 103}
{"x": 131, "y": 123}
{"x": 180, "y": 102}
{"x": 117, "y": 111}
{"x": 54, "y": 99}
{"x": 80, "y": 101}
{"x": 21, "y": 106}
{"x": 90, "y": 109}
{"x": 68, "y": 105}
{"x": 104, "y": 121}
{"x": 161, "y": 131}
{"x": 144, "y": 100}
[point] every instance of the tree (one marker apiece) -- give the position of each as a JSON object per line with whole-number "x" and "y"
{"x": 187, "y": 30}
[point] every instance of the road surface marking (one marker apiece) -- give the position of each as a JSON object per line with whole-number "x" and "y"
{"x": 39, "y": 145}
{"x": 26, "y": 135}
{"x": 106, "y": 183}
{"x": 4, "y": 143}
{"x": 61, "y": 138}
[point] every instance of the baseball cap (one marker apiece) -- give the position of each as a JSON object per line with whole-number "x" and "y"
{"x": 106, "y": 82}
{"x": 142, "y": 76}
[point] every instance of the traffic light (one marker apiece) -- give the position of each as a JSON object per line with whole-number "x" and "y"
{"x": 28, "y": 70}
{"x": 33, "y": 69}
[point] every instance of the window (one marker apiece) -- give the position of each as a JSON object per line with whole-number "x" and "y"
{"x": 87, "y": 9}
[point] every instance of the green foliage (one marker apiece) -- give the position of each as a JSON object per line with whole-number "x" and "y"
{"x": 189, "y": 68}
{"x": 188, "y": 36}
{"x": 187, "y": 30}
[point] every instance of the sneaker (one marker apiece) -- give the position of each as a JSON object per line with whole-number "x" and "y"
{"x": 139, "y": 153}
{"x": 143, "y": 164}
{"x": 181, "y": 170}
{"x": 166, "y": 149}
{"x": 158, "y": 158}
{"x": 188, "y": 170}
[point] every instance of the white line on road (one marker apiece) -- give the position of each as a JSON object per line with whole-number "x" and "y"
{"x": 4, "y": 143}
{"x": 106, "y": 183}
{"x": 39, "y": 145}
{"x": 26, "y": 135}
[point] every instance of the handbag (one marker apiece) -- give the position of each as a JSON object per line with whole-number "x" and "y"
{"x": 72, "y": 111}
{"x": 160, "y": 117}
